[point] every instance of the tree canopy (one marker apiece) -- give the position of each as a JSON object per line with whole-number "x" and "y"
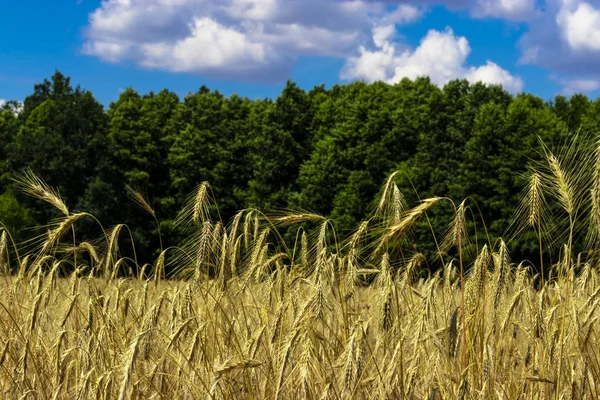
{"x": 326, "y": 150}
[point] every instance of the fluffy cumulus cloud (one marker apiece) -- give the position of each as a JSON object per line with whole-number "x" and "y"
{"x": 574, "y": 85}
{"x": 580, "y": 27}
{"x": 232, "y": 38}
{"x": 566, "y": 39}
{"x": 441, "y": 55}
{"x": 2, "y": 102}
{"x": 582, "y": 85}
{"x": 516, "y": 10}
{"x": 261, "y": 39}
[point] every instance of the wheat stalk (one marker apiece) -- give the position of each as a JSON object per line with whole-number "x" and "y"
{"x": 34, "y": 186}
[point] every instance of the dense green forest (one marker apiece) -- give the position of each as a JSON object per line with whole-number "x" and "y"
{"x": 327, "y": 150}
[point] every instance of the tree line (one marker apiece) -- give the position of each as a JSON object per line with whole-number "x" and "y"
{"x": 327, "y": 150}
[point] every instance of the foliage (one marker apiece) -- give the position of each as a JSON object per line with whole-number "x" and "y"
{"x": 245, "y": 316}
{"x": 325, "y": 150}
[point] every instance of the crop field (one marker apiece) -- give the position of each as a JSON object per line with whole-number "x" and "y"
{"x": 236, "y": 312}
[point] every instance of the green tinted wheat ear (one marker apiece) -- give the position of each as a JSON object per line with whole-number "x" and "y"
{"x": 463, "y": 386}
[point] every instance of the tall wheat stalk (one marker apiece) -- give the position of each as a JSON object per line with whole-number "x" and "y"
{"x": 351, "y": 321}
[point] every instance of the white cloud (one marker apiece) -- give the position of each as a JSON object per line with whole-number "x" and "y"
{"x": 403, "y": 14}
{"x": 441, "y": 55}
{"x": 381, "y": 34}
{"x": 565, "y": 38}
{"x": 228, "y": 47}
{"x": 581, "y": 85}
{"x": 252, "y": 9}
{"x": 111, "y": 51}
{"x": 262, "y": 39}
{"x": 2, "y": 102}
{"x": 516, "y": 10}
{"x": 580, "y": 27}
{"x": 574, "y": 85}
{"x": 245, "y": 39}
{"x": 491, "y": 73}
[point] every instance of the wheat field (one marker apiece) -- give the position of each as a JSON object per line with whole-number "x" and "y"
{"x": 246, "y": 315}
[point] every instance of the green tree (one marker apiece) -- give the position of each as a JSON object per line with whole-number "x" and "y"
{"x": 503, "y": 142}
{"x": 137, "y": 157}
{"x": 208, "y": 138}
{"x": 14, "y": 216}
{"x": 9, "y": 126}
{"x": 362, "y": 133}
{"x": 281, "y": 140}
{"x": 62, "y": 138}
{"x": 571, "y": 112}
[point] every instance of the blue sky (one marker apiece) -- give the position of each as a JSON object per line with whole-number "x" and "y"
{"x": 251, "y": 47}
